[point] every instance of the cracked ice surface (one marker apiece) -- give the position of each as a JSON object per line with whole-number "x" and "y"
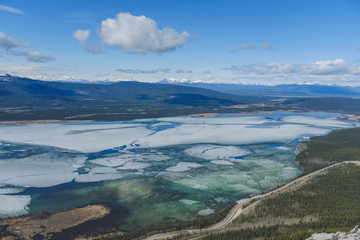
{"x": 41, "y": 170}
{"x": 228, "y": 155}
{"x": 319, "y": 122}
{"x": 216, "y": 152}
{"x": 228, "y": 134}
{"x": 83, "y": 138}
{"x": 183, "y": 167}
{"x": 240, "y": 130}
{"x": 14, "y": 205}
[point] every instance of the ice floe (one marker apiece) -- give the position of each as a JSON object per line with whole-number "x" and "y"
{"x": 183, "y": 167}
{"x": 216, "y": 152}
{"x": 227, "y": 135}
{"x": 41, "y": 170}
{"x": 84, "y": 138}
{"x": 113, "y": 161}
{"x": 97, "y": 170}
{"x": 319, "y": 122}
{"x": 134, "y": 166}
{"x": 283, "y": 148}
{"x": 98, "y": 177}
{"x": 240, "y": 119}
{"x": 10, "y": 190}
{"x": 191, "y": 130}
{"x": 14, "y": 205}
{"x": 121, "y": 159}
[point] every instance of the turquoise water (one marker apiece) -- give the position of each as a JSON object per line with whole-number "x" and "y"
{"x": 159, "y": 185}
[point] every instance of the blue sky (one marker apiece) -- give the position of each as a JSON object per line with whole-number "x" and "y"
{"x": 253, "y": 42}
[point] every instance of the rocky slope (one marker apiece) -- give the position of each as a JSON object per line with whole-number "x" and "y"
{"x": 352, "y": 235}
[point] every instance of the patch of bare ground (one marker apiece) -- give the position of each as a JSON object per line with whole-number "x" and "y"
{"x": 45, "y": 225}
{"x": 109, "y": 235}
{"x": 204, "y": 115}
{"x": 301, "y": 147}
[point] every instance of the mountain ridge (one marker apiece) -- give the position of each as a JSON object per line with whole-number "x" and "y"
{"x": 283, "y": 90}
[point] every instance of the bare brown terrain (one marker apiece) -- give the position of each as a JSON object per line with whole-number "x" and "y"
{"x": 45, "y": 225}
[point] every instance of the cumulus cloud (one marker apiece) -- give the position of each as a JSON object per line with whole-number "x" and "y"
{"x": 247, "y": 46}
{"x": 184, "y": 71}
{"x": 267, "y": 46}
{"x": 144, "y": 71}
{"x": 330, "y": 67}
{"x": 82, "y": 36}
{"x": 139, "y": 34}
{"x": 10, "y": 9}
{"x": 10, "y": 45}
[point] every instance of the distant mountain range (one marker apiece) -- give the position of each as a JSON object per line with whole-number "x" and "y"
{"x": 285, "y": 90}
{"x": 27, "y": 99}
{"x": 23, "y": 98}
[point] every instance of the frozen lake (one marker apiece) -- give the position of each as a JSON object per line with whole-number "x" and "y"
{"x": 154, "y": 170}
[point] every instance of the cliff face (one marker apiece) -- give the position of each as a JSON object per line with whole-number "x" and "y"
{"x": 352, "y": 235}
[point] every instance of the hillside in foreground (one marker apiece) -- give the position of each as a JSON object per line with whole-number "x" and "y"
{"x": 326, "y": 203}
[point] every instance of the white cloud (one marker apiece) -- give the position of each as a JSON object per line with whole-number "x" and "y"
{"x": 247, "y": 46}
{"x": 184, "y": 71}
{"x": 267, "y": 46}
{"x": 7, "y": 43}
{"x": 35, "y": 56}
{"x": 337, "y": 66}
{"x": 330, "y": 67}
{"x": 82, "y": 36}
{"x": 10, "y": 9}
{"x": 144, "y": 71}
{"x": 139, "y": 34}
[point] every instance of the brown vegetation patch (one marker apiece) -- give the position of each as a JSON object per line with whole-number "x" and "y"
{"x": 45, "y": 225}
